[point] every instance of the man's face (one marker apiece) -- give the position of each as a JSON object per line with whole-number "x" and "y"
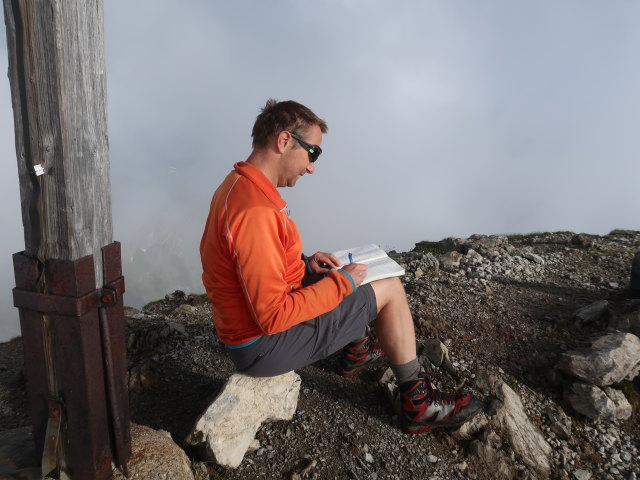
{"x": 295, "y": 160}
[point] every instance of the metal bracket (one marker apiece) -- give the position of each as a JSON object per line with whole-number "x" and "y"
{"x": 68, "y": 306}
{"x": 52, "y": 436}
{"x": 76, "y": 331}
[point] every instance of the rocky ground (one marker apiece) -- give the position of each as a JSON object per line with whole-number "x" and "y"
{"x": 506, "y": 305}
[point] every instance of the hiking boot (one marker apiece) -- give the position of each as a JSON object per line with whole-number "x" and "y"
{"x": 423, "y": 407}
{"x": 356, "y": 356}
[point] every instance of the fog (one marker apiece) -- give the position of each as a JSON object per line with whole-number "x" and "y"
{"x": 446, "y": 118}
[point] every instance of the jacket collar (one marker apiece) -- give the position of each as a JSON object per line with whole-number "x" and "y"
{"x": 261, "y": 181}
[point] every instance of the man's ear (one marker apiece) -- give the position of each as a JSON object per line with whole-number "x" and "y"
{"x": 282, "y": 140}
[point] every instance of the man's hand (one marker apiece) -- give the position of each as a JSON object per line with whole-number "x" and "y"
{"x": 322, "y": 262}
{"x": 357, "y": 271}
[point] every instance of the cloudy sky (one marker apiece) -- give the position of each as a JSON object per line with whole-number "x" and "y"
{"x": 446, "y": 118}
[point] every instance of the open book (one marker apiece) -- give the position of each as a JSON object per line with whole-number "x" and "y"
{"x": 379, "y": 264}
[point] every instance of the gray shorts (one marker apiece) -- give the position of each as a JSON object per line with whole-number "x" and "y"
{"x": 310, "y": 341}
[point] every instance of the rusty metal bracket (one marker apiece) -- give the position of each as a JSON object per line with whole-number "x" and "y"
{"x": 52, "y": 436}
{"x": 74, "y": 342}
{"x": 68, "y": 306}
{"x": 109, "y": 296}
{"x": 54, "y": 304}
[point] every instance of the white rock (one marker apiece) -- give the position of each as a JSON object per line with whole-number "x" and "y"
{"x": 581, "y": 474}
{"x": 525, "y": 439}
{"x": 229, "y": 425}
{"x": 534, "y": 258}
{"x": 599, "y": 404}
{"x": 610, "y": 359}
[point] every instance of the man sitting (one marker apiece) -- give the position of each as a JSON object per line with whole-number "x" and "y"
{"x": 253, "y": 271}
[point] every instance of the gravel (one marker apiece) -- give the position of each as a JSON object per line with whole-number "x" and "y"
{"x": 510, "y": 310}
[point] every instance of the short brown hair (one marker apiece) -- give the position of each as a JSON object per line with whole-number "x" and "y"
{"x": 276, "y": 117}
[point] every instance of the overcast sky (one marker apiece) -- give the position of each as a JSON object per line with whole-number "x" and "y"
{"x": 446, "y": 118}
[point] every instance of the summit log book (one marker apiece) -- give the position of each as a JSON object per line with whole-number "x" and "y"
{"x": 379, "y": 264}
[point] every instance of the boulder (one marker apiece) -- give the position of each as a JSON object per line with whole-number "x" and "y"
{"x": 525, "y": 439}
{"x": 599, "y": 404}
{"x": 610, "y": 359}
{"x": 592, "y": 313}
{"x": 155, "y": 456}
{"x": 229, "y": 425}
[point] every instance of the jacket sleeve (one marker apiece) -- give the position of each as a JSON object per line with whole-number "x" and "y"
{"x": 257, "y": 240}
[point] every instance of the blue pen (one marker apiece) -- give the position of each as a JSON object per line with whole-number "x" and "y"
{"x": 350, "y": 258}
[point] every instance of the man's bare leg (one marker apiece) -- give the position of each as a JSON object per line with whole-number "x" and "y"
{"x": 422, "y": 407}
{"x": 394, "y": 324}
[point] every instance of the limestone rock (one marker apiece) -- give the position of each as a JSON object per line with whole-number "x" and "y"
{"x": 534, "y": 258}
{"x": 525, "y": 439}
{"x": 485, "y": 243}
{"x": 581, "y": 474}
{"x": 610, "y": 359}
{"x": 472, "y": 427}
{"x": 487, "y": 450}
{"x": 593, "y": 312}
{"x": 229, "y": 425}
{"x": 560, "y": 423}
{"x": 450, "y": 260}
{"x": 436, "y": 352}
{"x": 599, "y": 404}
{"x": 155, "y": 456}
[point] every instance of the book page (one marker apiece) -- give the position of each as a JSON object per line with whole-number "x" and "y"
{"x": 361, "y": 254}
{"x": 379, "y": 264}
{"x": 382, "y": 268}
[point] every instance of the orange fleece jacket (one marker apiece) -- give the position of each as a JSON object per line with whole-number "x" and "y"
{"x": 252, "y": 263}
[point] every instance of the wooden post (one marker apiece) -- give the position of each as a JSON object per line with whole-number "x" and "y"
{"x": 65, "y": 293}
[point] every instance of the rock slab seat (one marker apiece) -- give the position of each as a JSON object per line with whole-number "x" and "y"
{"x": 230, "y": 423}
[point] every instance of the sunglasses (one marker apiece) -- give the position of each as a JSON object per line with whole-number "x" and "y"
{"x": 314, "y": 151}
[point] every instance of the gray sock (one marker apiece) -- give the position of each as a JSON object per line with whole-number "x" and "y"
{"x": 407, "y": 372}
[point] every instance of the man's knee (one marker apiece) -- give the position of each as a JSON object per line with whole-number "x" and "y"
{"x": 388, "y": 290}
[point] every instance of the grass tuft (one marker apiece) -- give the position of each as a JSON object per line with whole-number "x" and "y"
{"x": 425, "y": 246}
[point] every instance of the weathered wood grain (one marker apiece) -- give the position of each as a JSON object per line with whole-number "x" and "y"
{"x": 58, "y": 85}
